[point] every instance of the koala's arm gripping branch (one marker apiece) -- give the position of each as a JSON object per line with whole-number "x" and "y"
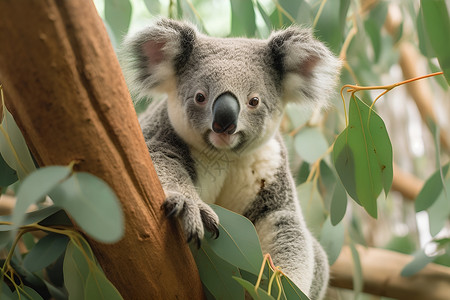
{"x": 63, "y": 85}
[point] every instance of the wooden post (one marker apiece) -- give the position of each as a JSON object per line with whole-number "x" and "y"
{"x": 64, "y": 86}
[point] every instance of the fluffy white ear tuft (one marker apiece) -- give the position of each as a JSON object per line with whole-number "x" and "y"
{"x": 151, "y": 58}
{"x": 308, "y": 70}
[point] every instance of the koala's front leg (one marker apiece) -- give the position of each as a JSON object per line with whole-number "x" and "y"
{"x": 182, "y": 199}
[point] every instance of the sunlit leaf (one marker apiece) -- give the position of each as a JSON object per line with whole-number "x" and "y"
{"x": 332, "y": 239}
{"x": 92, "y": 204}
{"x": 35, "y": 187}
{"x": 310, "y": 144}
{"x": 217, "y": 274}
{"x": 362, "y": 156}
{"x": 99, "y": 287}
{"x": 238, "y": 241}
{"x": 46, "y": 251}
{"x": 243, "y": 18}
{"x": 419, "y": 261}
{"x": 250, "y": 288}
{"x": 437, "y": 26}
{"x": 118, "y": 16}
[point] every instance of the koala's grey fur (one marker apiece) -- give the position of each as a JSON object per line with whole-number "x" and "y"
{"x": 246, "y": 171}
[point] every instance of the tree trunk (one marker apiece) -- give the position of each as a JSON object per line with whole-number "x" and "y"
{"x": 64, "y": 86}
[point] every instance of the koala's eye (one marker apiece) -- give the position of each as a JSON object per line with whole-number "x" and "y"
{"x": 253, "y": 102}
{"x": 200, "y": 97}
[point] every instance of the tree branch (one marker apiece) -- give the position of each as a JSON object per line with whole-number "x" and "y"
{"x": 381, "y": 275}
{"x": 64, "y": 86}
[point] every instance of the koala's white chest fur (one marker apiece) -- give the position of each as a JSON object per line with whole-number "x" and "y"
{"x": 233, "y": 182}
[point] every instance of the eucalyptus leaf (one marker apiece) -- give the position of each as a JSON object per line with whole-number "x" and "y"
{"x": 250, "y": 288}
{"x": 30, "y": 218}
{"x": 98, "y": 287}
{"x": 357, "y": 271}
{"x": 5, "y": 292}
{"x": 217, "y": 274}
{"x": 419, "y": 261}
{"x": 28, "y": 293}
{"x": 431, "y": 190}
{"x": 243, "y": 18}
{"x": 362, "y": 156}
{"x": 13, "y": 147}
{"x": 332, "y": 239}
{"x": 437, "y": 26}
{"x": 7, "y": 174}
{"x": 311, "y": 204}
{"x": 118, "y": 16}
{"x": 310, "y": 144}
{"x": 439, "y": 211}
{"x": 92, "y": 204}
{"x": 76, "y": 270}
{"x": 35, "y": 187}
{"x": 291, "y": 290}
{"x": 46, "y": 251}
{"x": 153, "y": 6}
{"x": 238, "y": 241}
{"x": 338, "y": 204}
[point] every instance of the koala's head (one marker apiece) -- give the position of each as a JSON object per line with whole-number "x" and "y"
{"x": 228, "y": 93}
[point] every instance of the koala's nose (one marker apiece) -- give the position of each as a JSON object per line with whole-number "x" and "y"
{"x": 225, "y": 114}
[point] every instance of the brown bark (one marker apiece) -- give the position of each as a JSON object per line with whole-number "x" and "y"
{"x": 63, "y": 85}
{"x": 381, "y": 275}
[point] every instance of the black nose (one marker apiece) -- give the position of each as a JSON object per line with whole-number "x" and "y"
{"x": 225, "y": 114}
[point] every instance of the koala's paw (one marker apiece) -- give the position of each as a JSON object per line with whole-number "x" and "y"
{"x": 194, "y": 216}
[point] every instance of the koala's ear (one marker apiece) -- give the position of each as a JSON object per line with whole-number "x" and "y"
{"x": 307, "y": 68}
{"x": 151, "y": 58}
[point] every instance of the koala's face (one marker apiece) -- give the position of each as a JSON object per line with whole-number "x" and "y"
{"x": 228, "y": 94}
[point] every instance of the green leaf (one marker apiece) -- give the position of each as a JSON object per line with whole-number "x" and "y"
{"x": 238, "y": 241}
{"x": 13, "y": 147}
{"x": 118, "y": 16}
{"x": 264, "y": 15}
{"x": 99, "y": 287}
{"x": 357, "y": 271}
{"x": 362, "y": 156}
{"x": 311, "y": 204}
{"x": 243, "y": 19}
{"x": 153, "y": 6}
{"x": 76, "y": 271}
{"x": 7, "y": 175}
{"x": 217, "y": 274}
{"x": 431, "y": 190}
{"x": 338, "y": 204}
{"x": 28, "y": 293}
{"x": 92, "y": 204}
{"x": 310, "y": 144}
{"x": 419, "y": 261}
{"x": 332, "y": 239}
{"x": 5, "y": 292}
{"x": 250, "y": 288}
{"x": 291, "y": 290}
{"x": 46, "y": 251}
{"x": 35, "y": 187}
{"x": 330, "y": 25}
{"x": 437, "y": 25}
{"x": 439, "y": 211}
{"x": 30, "y": 218}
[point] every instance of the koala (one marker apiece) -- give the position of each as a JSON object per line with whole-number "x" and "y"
{"x": 215, "y": 137}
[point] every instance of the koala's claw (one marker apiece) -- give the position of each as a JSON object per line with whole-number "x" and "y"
{"x": 195, "y": 217}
